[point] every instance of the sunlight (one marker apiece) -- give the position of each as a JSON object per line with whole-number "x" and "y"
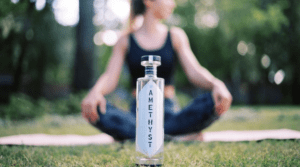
{"x": 99, "y": 7}
{"x": 66, "y": 12}
{"x": 265, "y": 61}
{"x": 98, "y": 19}
{"x": 121, "y": 8}
{"x": 207, "y": 19}
{"x": 40, "y": 4}
{"x": 98, "y": 39}
{"x": 208, "y": 2}
{"x": 279, "y": 76}
{"x": 14, "y": 1}
{"x": 175, "y": 19}
{"x": 110, "y": 37}
{"x": 99, "y": 3}
{"x": 111, "y": 13}
{"x": 242, "y": 48}
{"x": 210, "y": 20}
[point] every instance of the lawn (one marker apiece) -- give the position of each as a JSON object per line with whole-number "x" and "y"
{"x": 262, "y": 153}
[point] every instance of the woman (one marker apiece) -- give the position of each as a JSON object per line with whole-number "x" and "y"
{"x": 155, "y": 38}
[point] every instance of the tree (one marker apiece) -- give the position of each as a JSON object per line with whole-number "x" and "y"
{"x": 28, "y": 42}
{"x": 217, "y": 29}
{"x": 293, "y": 43}
{"x": 84, "y": 61}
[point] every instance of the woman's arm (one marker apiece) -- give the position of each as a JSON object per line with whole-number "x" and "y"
{"x": 106, "y": 83}
{"x": 109, "y": 79}
{"x": 197, "y": 74}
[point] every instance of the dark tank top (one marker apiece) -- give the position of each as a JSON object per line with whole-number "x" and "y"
{"x": 168, "y": 60}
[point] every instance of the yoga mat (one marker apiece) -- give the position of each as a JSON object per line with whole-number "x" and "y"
{"x": 71, "y": 140}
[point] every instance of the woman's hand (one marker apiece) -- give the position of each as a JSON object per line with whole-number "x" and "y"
{"x": 222, "y": 97}
{"x": 106, "y": 83}
{"x": 89, "y": 106}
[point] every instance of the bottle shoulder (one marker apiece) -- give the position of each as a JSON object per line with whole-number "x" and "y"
{"x": 150, "y": 78}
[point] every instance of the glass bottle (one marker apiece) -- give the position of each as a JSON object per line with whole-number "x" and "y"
{"x": 150, "y": 114}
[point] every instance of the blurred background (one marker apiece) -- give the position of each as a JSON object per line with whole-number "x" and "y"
{"x": 53, "y": 51}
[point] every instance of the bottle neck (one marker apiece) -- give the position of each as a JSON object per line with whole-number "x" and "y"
{"x": 150, "y": 71}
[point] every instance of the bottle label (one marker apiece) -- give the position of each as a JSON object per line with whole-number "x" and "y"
{"x": 150, "y": 128}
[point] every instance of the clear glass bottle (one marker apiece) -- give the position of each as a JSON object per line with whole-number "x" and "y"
{"x": 150, "y": 114}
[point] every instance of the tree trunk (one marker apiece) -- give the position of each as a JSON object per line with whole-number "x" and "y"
{"x": 84, "y": 60}
{"x": 19, "y": 67}
{"x": 294, "y": 42}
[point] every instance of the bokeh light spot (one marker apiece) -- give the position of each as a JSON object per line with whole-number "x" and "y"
{"x": 279, "y": 76}
{"x": 210, "y": 20}
{"x": 110, "y": 37}
{"x": 14, "y": 1}
{"x": 99, "y": 3}
{"x": 66, "y": 12}
{"x": 265, "y": 61}
{"x": 98, "y": 19}
{"x": 242, "y": 48}
{"x": 120, "y": 8}
{"x": 98, "y": 38}
{"x": 109, "y": 15}
{"x": 175, "y": 19}
{"x": 206, "y": 19}
{"x": 40, "y": 4}
{"x": 208, "y": 2}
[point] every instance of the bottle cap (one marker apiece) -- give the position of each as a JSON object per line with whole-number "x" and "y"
{"x": 151, "y": 60}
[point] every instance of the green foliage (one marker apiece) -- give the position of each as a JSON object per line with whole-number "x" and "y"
{"x": 8, "y": 7}
{"x": 245, "y": 18}
{"x": 70, "y": 105}
{"x": 23, "y": 107}
{"x": 259, "y": 23}
{"x": 34, "y": 45}
{"x": 216, "y": 48}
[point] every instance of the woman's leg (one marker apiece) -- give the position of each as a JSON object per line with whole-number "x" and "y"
{"x": 193, "y": 118}
{"x": 117, "y": 123}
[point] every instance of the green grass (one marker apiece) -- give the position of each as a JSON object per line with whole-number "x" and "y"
{"x": 263, "y": 153}
{"x": 48, "y": 124}
{"x": 258, "y": 118}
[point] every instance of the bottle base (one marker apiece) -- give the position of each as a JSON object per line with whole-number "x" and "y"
{"x": 148, "y": 165}
{"x": 154, "y": 161}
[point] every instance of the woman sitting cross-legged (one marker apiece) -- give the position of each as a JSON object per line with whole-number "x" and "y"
{"x": 172, "y": 45}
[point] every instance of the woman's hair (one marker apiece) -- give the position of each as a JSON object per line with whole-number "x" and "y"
{"x": 137, "y": 8}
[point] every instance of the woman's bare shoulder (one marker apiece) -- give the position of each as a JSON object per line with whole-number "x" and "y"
{"x": 178, "y": 36}
{"x": 176, "y": 30}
